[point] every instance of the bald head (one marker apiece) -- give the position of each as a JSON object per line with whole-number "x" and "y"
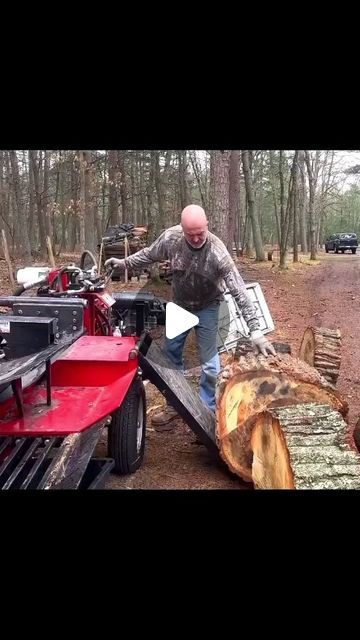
{"x": 195, "y": 225}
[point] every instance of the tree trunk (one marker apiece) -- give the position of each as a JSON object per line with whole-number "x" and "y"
{"x": 259, "y": 249}
{"x": 234, "y": 195}
{"x": 249, "y": 385}
{"x": 35, "y": 168}
{"x": 45, "y": 193}
{"x": 184, "y": 194}
{"x": 152, "y": 218}
{"x": 302, "y": 216}
{"x": 312, "y": 169}
{"x": 82, "y": 199}
{"x": 295, "y": 207}
{"x": 32, "y": 231}
{"x": 159, "y": 192}
{"x": 219, "y": 198}
{"x": 321, "y": 348}
{"x": 113, "y": 197}
{"x": 74, "y": 204}
{"x": 304, "y": 447}
{"x": 21, "y": 235}
{"x": 197, "y": 174}
{"x": 142, "y": 189}
{"x": 123, "y": 186}
{"x": 3, "y": 208}
{"x": 62, "y": 200}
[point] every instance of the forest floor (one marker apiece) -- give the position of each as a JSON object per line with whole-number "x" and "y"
{"x": 324, "y": 293}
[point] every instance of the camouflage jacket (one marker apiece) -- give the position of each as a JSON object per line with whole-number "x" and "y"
{"x": 198, "y": 274}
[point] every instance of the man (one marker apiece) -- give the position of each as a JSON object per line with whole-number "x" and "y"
{"x": 200, "y": 263}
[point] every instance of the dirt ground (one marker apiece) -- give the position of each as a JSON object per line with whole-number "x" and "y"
{"x": 325, "y": 293}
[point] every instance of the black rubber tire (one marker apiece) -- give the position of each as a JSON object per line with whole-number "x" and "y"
{"x": 122, "y": 432}
{"x": 336, "y": 250}
{"x": 342, "y": 251}
{"x": 353, "y": 251}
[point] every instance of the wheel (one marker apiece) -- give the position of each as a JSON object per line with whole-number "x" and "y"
{"x": 342, "y": 250}
{"x": 126, "y": 434}
{"x": 336, "y": 250}
{"x": 353, "y": 251}
{"x": 87, "y": 260}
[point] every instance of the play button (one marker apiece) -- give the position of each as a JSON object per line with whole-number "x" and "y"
{"x": 178, "y": 320}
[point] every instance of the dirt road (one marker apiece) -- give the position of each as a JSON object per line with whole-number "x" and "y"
{"x": 325, "y": 294}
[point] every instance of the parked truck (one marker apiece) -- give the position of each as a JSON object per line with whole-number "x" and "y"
{"x": 342, "y": 242}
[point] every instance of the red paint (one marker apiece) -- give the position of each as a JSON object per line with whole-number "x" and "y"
{"x": 89, "y": 382}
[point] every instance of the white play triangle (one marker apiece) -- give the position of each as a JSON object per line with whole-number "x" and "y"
{"x": 178, "y": 320}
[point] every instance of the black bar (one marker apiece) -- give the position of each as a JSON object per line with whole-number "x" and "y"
{"x": 178, "y": 391}
{"x": 11, "y": 456}
{"x": 5, "y": 444}
{"x": 31, "y": 475}
{"x": 48, "y": 382}
{"x": 140, "y": 318}
{"x": 21, "y": 463}
{"x": 16, "y": 386}
{"x": 8, "y": 301}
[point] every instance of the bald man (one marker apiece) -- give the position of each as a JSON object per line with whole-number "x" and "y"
{"x": 200, "y": 263}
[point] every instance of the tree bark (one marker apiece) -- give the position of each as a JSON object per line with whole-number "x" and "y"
{"x": 21, "y": 234}
{"x": 81, "y": 214}
{"x": 302, "y": 215}
{"x": 113, "y": 197}
{"x": 304, "y": 447}
{"x": 234, "y": 195}
{"x": 184, "y": 194}
{"x": 123, "y": 186}
{"x": 249, "y": 385}
{"x": 258, "y": 243}
{"x": 35, "y": 168}
{"x": 321, "y": 348}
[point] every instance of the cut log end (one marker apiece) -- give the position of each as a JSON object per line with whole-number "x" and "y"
{"x": 304, "y": 447}
{"x": 321, "y": 348}
{"x": 252, "y": 385}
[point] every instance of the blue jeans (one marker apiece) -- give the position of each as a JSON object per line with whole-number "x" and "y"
{"x": 206, "y": 336}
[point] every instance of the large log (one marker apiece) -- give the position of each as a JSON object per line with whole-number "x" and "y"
{"x": 304, "y": 447}
{"x": 321, "y": 348}
{"x": 251, "y": 384}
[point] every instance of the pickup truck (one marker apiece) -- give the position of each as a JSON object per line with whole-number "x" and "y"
{"x": 342, "y": 242}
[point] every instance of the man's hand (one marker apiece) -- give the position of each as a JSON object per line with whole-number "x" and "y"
{"x": 111, "y": 263}
{"x": 261, "y": 344}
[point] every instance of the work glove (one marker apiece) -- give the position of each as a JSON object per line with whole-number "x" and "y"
{"x": 111, "y": 263}
{"x": 261, "y": 344}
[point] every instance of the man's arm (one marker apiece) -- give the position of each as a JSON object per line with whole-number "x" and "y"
{"x": 155, "y": 253}
{"x": 237, "y": 289}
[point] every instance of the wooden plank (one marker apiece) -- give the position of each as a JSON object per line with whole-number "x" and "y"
{"x": 69, "y": 465}
{"x": 7, "y": 258}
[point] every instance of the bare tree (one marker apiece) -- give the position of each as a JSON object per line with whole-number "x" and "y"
{"x": 253, "y": 215}
{"x": 219, "y": 198}
{"x": 312, "y": 165}
{"x": 234, "y": 195}
{"x": 123, "y": 185}
{"x": 113, "y": 197}
{"x": 21, "y": 235}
